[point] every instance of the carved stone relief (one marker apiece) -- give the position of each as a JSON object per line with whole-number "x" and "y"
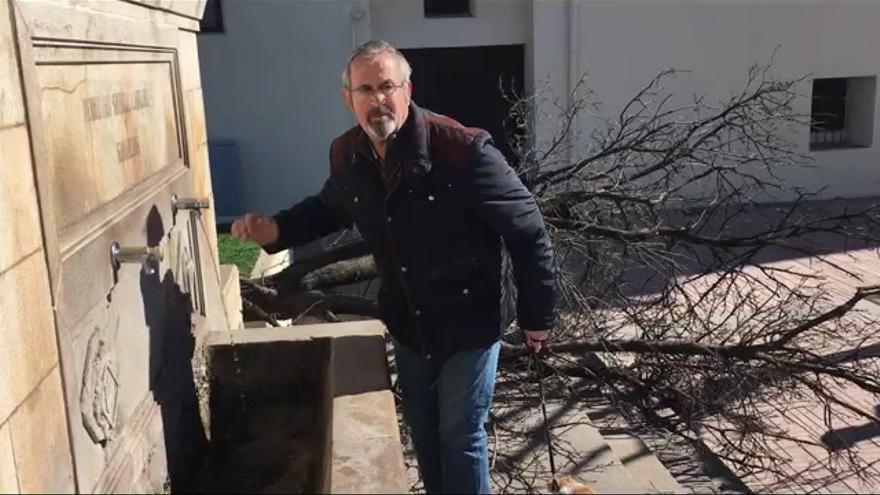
{"x": 99, "y": 396}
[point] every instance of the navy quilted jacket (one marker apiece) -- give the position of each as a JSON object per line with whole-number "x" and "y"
{"x": 437, "y": 237}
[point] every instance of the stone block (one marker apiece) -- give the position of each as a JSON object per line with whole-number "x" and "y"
{"x": 8, "y": 476}
{"x": 40, "y": 441}
{"x": 11, "y": 104}
{"x": 19, "y": 210}
{"x": 368, "y": 466}
{"x": 370, "y": 374}
{"x": 367, "y": 416}
{"x": 190, "y": 78}
{"x": 27, "y": 331}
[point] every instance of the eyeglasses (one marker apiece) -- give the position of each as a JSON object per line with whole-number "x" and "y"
{"x": 386, "y": 88}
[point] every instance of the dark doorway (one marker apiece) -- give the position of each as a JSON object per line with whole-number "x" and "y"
{"x": 463, "y": 83}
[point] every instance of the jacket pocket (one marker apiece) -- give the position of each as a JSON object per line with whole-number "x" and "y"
{"x": 456, "y": 271}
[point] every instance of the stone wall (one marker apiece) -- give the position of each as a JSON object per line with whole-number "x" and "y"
{"x": 33, "y": 427}
{"x": 101, "y": 125}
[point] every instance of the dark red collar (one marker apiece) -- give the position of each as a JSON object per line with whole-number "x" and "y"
{"x": 409, "y": 147}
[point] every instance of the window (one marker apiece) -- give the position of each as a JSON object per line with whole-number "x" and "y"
{"x": 448, "y": 8}
{"x": 842, "y": 113}
{"x": 212, "y": 21}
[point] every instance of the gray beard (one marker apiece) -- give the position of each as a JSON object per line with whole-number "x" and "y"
{"x": 382, "y": 129}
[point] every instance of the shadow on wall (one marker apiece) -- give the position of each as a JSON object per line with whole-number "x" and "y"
{"x": 167, "y": 312}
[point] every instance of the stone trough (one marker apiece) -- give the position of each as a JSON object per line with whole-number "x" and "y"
{"x": 301, "y": 410}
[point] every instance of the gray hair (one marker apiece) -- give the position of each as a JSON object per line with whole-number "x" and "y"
{"x": 371, "y": 49}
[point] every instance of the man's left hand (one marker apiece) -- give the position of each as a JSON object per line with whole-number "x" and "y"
{"x": 535, "y": 338}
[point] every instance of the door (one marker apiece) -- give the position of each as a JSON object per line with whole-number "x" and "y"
{"x": 464, "y": 83}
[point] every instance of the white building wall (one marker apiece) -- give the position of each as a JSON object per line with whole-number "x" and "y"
{"x": 550, "y": 52}
{"x": 495, "y": 22}
{"x": 271, "y": 82}
{"x": 622, "y": 45}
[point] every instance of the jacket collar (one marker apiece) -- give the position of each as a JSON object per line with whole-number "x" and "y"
{"x": 411, "y": 144}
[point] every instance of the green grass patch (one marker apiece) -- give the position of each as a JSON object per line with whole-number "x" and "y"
{"x": 244, "y": 254}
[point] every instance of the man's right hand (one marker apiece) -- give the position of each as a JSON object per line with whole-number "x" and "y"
{"x": 254, "y": 227}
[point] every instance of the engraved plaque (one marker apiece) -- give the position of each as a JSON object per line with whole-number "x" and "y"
{"x": 112, "y": 121}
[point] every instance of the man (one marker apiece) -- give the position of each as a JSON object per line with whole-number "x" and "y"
{"x": 433, "y": 200}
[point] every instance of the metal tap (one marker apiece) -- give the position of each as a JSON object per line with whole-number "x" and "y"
{"x": 197, "y": 204}
{"x": 148, "y": 257}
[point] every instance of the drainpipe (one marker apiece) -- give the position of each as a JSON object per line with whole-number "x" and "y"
{"x": 360, "y": 22}
{"x": 361, "y": 32}
{"x": 573, "y": 69}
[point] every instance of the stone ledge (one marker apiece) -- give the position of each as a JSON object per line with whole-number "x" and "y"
{"x": 231, "y": 292}
{"x": 297, "y": 333}
{"x": 368, "y": 466}
{"x": 357, "y": 418}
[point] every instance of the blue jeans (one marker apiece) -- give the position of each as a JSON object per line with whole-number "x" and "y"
{"x": 445, "y": 408}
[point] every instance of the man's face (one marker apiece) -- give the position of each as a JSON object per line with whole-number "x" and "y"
{"x": 378, "y": 96}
